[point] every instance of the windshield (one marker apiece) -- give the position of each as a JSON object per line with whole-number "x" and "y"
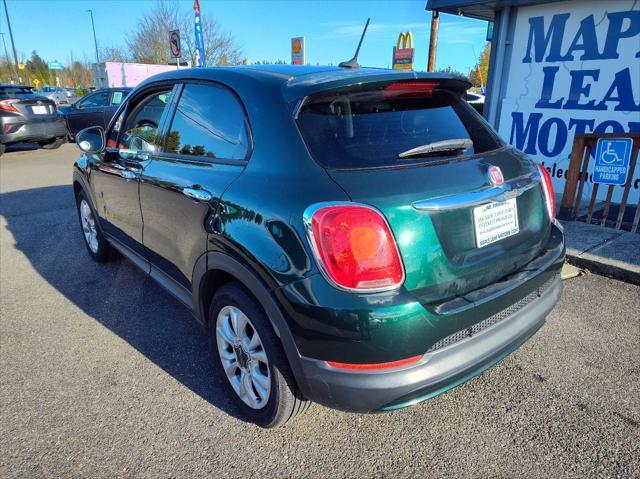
{"x": 372, "y": 127}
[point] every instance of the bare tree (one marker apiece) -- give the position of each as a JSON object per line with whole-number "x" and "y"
{"x": 148, "y": 42}
{"x": 114, "y": 54}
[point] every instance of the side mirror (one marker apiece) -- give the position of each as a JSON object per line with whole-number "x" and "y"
{"x": 91, "y": 140}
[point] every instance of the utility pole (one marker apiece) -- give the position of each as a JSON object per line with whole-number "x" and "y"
{"x": 13, "y": 45}
{"x": 433, "y": 41}
{"x": 95, "y": 41}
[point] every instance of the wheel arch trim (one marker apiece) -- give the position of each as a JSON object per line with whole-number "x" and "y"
{"x": 217, "y": 261}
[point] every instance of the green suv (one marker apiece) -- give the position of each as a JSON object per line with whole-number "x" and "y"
{"x": 360, "y": 238}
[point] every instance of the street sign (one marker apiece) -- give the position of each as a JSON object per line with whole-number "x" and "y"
{"x": 403, "y": 52}
{"x": 612, "y": 161}
{"x": 55, "y": 66}
{"x": 21, "y": 66}
{"x": 174, "y": 43}
{"x": 297, "y": 51}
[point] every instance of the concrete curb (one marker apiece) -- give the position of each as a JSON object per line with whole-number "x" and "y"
{"x": 603, "y": 251}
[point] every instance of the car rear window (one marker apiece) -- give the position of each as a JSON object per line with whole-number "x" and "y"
{"x": 369, "y": 127}
{"x": 15, "y": 91}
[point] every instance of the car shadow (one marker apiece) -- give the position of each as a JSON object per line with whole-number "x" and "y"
{"x": 22, "y": 147}
{"x": 115, "y": 294}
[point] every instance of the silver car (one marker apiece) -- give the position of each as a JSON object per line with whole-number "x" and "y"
{"x": 55, "y": 93}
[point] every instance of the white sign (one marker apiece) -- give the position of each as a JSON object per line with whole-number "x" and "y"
{"x": 574, "y": 68}
{"x": 495, "y": 221}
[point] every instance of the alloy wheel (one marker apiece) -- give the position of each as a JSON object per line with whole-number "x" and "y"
{"x": 89, "y": 226}
{"x": 243, "y": 357}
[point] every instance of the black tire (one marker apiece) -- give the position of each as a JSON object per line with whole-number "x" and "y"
{"x": 104, "y": 251}
{"x": 2, "y": 148}
{"x": 53, "y": 145}
{"x": 285, "y": 400}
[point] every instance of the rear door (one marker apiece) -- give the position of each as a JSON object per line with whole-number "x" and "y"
{"x": 428, "y": 161}
{"x": 205, "y": 148}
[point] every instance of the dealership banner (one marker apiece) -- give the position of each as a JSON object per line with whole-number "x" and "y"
{"x": 574, "y": 68}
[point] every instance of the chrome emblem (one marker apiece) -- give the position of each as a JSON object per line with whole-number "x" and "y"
{"x": 495, "y": 175}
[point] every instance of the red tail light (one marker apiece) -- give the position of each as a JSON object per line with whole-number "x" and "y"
{"x": 410, "y": 89}
{"x": 375, "y": 366}
{"x": 354, "y": 247}
{"x": 7, "y": 105}
{"x": 549, "y": 194}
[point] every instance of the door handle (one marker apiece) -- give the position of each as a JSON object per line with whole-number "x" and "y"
{"x": 197, "y": 194}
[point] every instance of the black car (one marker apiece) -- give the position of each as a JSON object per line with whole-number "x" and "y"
{"x": 28, "y": 117}
{"x": 93, "y": 109}
{"x": 358, "y": 238}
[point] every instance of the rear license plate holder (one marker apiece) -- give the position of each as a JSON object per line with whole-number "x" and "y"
{"x": 495, "y": 221}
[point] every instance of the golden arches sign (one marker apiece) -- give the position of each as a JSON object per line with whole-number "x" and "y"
{"x": 405, "y": 40}
{"x": 403, "y": 52}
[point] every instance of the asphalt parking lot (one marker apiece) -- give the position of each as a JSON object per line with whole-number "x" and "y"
{"x": 105, "y": 375}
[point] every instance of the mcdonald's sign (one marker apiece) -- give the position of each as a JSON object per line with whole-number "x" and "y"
{"x": 403, "y": 52}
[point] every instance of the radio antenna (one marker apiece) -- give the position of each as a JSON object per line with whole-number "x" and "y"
{"x": 353, "y": 63}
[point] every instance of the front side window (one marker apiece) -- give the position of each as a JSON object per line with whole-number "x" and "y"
{"x": 141, "y": 126}
{"x": 391, "y": 125}
{"x": 95, "y": 100}
{"x": 209, "y": 122}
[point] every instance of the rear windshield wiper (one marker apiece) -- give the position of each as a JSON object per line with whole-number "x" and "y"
{"x": 456, "y": 145}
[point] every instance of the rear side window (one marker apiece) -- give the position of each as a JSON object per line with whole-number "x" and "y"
{"x": 376, "y": 126}
{"x": 117, "y": 97}
{"x": 209, "y": 122}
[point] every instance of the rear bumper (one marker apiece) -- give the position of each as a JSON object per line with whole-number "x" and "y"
{"x": 437, "y": 371}
{"x": 32, "y": 131}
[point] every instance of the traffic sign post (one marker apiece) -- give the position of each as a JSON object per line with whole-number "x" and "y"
{"x": 174, "y": 46}
{"x": 612, "y": 161}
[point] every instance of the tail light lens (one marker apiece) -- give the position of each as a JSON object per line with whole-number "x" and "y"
{"x": 549, "y": 194}
{"x": 354, "y": 247}
{"x": 410, "y": 89}
{"x": 7, "y": 105}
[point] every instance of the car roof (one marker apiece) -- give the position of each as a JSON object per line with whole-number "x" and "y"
{"x": 10, "y": 85}
{"x": 298, "y": 81}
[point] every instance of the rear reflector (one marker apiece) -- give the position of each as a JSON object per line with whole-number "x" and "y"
{"x": 375, "y": 366}
{"x": 354, "y": 247}
{"x": 549, "y": 194}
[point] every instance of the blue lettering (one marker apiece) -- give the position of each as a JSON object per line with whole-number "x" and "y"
{"x": 578, "y": 88}
{"x": 622, "y": 84}
{"x": 547, "y": 89}
{"x": 545, "y": 133}
{"x": 551, "y": 40}
{"x": 615, "y": 31}
{"x": 521, "y": 134}
{"x": 589, "y": 44}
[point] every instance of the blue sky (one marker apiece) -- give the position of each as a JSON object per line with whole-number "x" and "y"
{"x": 262, "y": 28}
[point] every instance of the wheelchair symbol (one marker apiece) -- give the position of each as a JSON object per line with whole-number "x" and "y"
{"x": 610, "y": 155}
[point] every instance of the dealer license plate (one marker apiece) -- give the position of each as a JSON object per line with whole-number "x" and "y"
{"x": 39, "y": 110}
{"x": 495, "y": 221}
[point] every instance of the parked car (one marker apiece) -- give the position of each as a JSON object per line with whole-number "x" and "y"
{"x": 95, "y": 108}
{"x": 71, "y": 95}
{"x": 27, "y": 117}
{"x": 360, "y": 238}
{"x": 55, "y": 93}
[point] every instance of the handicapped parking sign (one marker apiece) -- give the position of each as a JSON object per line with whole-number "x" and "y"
{"x": 612, "y": 161}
